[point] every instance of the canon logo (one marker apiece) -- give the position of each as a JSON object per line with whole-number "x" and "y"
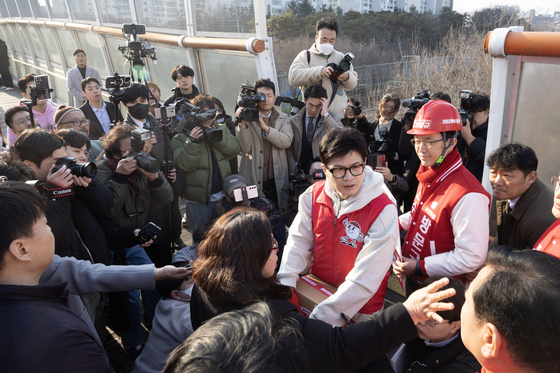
{"x": 61, "y": 192}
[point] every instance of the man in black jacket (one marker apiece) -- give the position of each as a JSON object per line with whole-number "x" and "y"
{"x": 7, "y": 81}
{"x": 39, "y": 331}
{"x": 100, "y": 113}
{"x": 183, "y": 77}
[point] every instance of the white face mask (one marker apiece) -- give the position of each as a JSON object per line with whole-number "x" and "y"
{"x": 326, "y": 48}
{"x": 188, "y": 291}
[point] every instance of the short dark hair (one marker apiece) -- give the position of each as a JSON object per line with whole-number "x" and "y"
{"x": 203, "y": 101}
{"x": 248, "y": 340}
{"x": 265, "y": 82}
{"x": 480, "y": 103}
{"x": 85, "y": 82}
{"x": 513, "y": 156}
{"x": 315, "y": 91}
{"x": 458, "y": 299}
{"x": 329, "y": 23}
{"x": 36, "y": 144}
{"x": 22, "y": 83}
{"x": 440, "y": 96}
{"x": 521, "y": 297}
{"x": 76, "y": 51}
{"x": 338, "y": 142}
{"x": 74, "y": 138}
{"x": 134, "y": 91}
{"x": 13, "y": 168}
{"x": 9, "y": 114}
{"x": 232, "y": 256}
{"x": 200, "y": 232}
{"x": 21, "y": 207}
{"x": 184, "y": 70}
{"x": 112, "y": 142}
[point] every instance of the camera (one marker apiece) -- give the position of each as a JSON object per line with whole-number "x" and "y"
{"x": 356, "y": 108}
{"x": 143, "y": 160}
{"x": 300, "y": 181}
{"x": 135, "y": 50}
{"x": 248, "y": 100}
{"x": 466, "y": 106}
{"x": 148, "y": 232}
{"x": 191, "y": 116}
{"x": 293, "y": 102}
{"x": 88, "y": 169}
{"x": 342, "y": 67}
{"x": 41, "y": 90}
{"x": 414, "y": 104}
{"x": 117, "y": 81}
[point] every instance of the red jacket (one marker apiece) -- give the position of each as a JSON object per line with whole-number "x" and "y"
{"x": 337, "y": 245}
{"x": 550, "y": 240}
{"x": 430, "y": 231}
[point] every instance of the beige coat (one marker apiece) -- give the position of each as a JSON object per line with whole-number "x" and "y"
{"x": 303, "y": 74}
{"x": 252, "y": 157}
{"x": 323, "y": 125}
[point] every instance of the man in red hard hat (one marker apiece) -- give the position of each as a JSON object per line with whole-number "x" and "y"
{"x": 447, "y": 227}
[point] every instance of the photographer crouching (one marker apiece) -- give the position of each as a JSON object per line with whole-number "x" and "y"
{"x": 202, "y": 151}
{"x": 135, "y": 180}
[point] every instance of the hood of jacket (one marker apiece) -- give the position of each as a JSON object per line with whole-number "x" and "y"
{"x": 372, "y": 186}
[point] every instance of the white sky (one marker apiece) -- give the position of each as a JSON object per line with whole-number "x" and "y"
{"x": 469, "y": 6}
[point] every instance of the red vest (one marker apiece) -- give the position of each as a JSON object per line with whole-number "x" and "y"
{"x": 440, "y": 188}
{"x": 337, "y": 242}
{"x": 550, "y": 240}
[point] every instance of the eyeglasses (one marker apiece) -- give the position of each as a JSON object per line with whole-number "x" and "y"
{"x": 390, "y": 109}
{"x": 431, "y": 322}
{"x": 427, "y": 143}
{"x": 339, "y": 173}
{"x": 78, "y": 123}
{"x": 554, "y": 181}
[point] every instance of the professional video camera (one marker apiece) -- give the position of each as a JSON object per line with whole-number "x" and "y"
{"x": 342, "y": 67}
{"x": 134, "y": 50}
{"x": 414, "y": 104}
{"x": 248, "y": 100}
{"x": 114, "y": 84}
{"x": 293, "y": 102}
{"x": 143, "y": 160}
{"x": 300, "y": 181}
{"x": 379, "y": 150}
{"x": 466, "y": 106}
{"x": 88, "y": 169}
{"x": 192, "y": 116}
{"x": 356, "y": 108}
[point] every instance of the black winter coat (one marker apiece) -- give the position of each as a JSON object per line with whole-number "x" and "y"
{"x": 177, "y": 94}
{"x": 473, "y": 155}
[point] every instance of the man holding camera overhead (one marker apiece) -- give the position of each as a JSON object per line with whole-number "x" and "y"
{"x": 263, "y": 146}
{"x": 311, "y": 66}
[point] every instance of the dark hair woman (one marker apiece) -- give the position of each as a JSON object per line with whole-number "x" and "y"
{"x": 236, "y": 267}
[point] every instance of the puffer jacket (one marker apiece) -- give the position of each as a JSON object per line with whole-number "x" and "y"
{"x": 195, "y": 160}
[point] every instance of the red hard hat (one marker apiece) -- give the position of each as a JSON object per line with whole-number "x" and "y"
{"x": 436, "y": 116}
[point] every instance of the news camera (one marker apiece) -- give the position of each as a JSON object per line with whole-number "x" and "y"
{"x": 248, "y": 100}
{"x": 293, "y": 102}
{"x": 342, "y": 67}
{"x": 135, "y": 50}
{"x": 300, "y": 181}
{"x": 88, "y": 169}
{"x": 143, "y": 160}
{"x": 414, "y": 104}
{"x": 466, "y": 106}
{"x": 191, "y": 116}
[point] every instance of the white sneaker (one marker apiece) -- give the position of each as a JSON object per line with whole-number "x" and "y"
{"x": 8, "y": 88}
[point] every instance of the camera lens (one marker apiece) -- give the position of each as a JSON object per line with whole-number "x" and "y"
{"x": 148, "y": 163}
{"x": 88, "y": 169}
{"x": 212, "y": 136}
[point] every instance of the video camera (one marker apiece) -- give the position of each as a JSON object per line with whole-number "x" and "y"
{"x": 143, "y": 160}
{"x": 134, "y": 50}
{"x": 300, "y": 181}
{"x": 466, "y": 106}
{"x": 114, "y": 84}
{"x": 356, "y": 108}
{"x": 248, "y": 100}
{"x": 192, "y": 116}
{"x": 88, "y": 169}
{"x": 342, "y": 67}
{"x": 379, "y": 151}
{"x": 293, "y": 102}
{"x": 414, "y": 104}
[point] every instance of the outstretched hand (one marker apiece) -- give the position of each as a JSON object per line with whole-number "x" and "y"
{"x": 172, "y": 272}
{"x": 424, "y": 303}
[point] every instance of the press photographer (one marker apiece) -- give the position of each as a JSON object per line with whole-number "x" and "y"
{"x": 264, "y": 135}
{"x": 309, "y": 127}
{"x": 314, "y": 65}
{"x": 472, "y": 142}
{"x": 354, "y": 115}
{"x": 205, "y": 164}
{"x": 36, "y": 100}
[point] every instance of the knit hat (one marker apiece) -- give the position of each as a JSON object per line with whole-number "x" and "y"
{"x": 61, "y": 113}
